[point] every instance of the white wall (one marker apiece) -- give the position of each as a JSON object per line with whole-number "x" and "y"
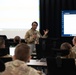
{"x": 16, "y": 16}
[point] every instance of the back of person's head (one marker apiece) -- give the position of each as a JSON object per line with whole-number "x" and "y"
{"x": 22, "y": 52}
{"x": 17, "y": 39}
{"x": 66, "y": 46}
{"x": 2, "y": 42}
{"x": 74, "y": 40}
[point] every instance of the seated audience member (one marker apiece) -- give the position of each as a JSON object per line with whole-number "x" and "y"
{"x": 4, "y": 51}
{"x": 18, "y": 66}
{"x": 68, "y": 46}
{"x": 2, "y": 46}
{"x": 74, "y": 43}
{"x": 17, "y": 39}
{"x": 2, "y": 43}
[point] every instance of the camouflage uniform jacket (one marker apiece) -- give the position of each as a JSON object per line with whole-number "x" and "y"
{"x": 18, "y": 67}
{"x": 29, "y": 39}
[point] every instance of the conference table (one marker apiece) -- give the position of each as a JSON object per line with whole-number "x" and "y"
{"x": 32, "y": 62}
{"x": 35, "y": 63}
{"x": 39, "y": 65}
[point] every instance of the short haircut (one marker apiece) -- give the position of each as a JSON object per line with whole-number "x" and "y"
{"x": 35, "y": 23}
{"x": 17, "y": 39}
{"x": 66, "y": 45}
{"x": 22, "y": 52}
{"x": 2, "y": 41}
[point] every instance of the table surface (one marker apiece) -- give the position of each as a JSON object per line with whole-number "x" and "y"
{"x": 33, "y": 62}
{"x": 36, "y": 63}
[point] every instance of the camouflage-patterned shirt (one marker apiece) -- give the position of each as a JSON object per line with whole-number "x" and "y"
{"x": 30, "y": 40}
{"x": 18, "y": 67}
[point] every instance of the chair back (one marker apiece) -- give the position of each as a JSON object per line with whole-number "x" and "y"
{"x": 60, "y": 66}
{"x": 4, "y": 36}
{"x": 4, "y": 51}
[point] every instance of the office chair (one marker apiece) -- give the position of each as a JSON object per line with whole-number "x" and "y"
{"x": 5, "y": 52}
{"x": 60, "y": 66}
{"x": 4, "y": 36}
{"x": 10, "y": 42}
